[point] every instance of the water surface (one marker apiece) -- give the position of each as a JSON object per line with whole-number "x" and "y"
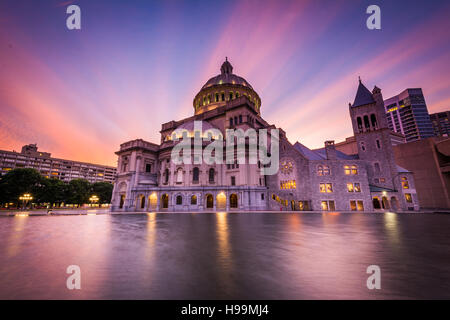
{"x": 226, "y": 256}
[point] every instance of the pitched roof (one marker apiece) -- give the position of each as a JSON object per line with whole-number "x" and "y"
{"x": 339, "y": 154}
{"x": 363, "y": 96}
{"x": 320, "y": 154}
{"x": 307, "y": 153}
{"x": 402, "y": 170}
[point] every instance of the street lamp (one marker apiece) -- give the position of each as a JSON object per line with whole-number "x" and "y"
{"x": 93, "y": 199}
{"x": 25, "y": 198}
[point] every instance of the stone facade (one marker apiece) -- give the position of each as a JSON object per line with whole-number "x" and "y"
{"x": 308, "y": 180}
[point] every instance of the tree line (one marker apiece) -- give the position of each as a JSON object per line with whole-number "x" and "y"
{"x": 52, "y": 191}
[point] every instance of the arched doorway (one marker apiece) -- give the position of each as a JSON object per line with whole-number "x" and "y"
{"x": 385, "y": 203}
{"x": 376, "y": 203}
{"x": 233, "y": 200}
{"x": 165, "y": 201}
{"x": 394, "y": 203}
{"x": 153, "y": 201}
{"x": 142, "y": 202}
{"x": 292, "y": 205}
{"x": 221, "y": 201}
{"x": 209, "y": 201}
{"x": 122, "y": 201}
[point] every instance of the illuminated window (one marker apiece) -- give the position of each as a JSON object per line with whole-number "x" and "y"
{"x": 408, "y": 197}
{"x": 328, "y": 205}
{"x": 351, "y": 170}
{"x": 350, "y": 187}
{"x": 288, "y": 184}
{"x": 360, "y": 205}
{"x": 353, "y": 205}
{"x": 194, "y": 200}
{"x": 357, "y": 187}
{"x": 326, "y": 187}
{"x": 405, "y": 183}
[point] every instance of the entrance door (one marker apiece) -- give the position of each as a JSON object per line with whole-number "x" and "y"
{"x": 165, "y": 201}
{"x": 209, "y": 201}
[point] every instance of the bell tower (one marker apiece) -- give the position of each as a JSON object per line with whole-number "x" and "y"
{"x": 372, "y": 136}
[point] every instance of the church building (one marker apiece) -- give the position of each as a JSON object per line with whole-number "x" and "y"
{"x": 307, "y": 180}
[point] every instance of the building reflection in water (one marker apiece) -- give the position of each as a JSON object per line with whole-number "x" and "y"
{"x": 224, "y": 253}
{"x": 15, "y": 239}
{"x": 391, "y": 227}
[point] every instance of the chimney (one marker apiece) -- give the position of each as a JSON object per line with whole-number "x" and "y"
{"x": 330, "y": 150}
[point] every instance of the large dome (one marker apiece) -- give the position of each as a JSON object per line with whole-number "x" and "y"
{"x": 223, "y": 88}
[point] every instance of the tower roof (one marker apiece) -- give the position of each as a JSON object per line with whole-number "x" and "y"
{"x": 363, "y": 96}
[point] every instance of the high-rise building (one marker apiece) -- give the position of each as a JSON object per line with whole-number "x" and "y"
{"x": 407, "y": 113}
{"x": 441, "y": 123}
{"x": 49, "y": 167}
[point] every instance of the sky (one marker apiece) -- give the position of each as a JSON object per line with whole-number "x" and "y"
{"x": 134, "y": 65}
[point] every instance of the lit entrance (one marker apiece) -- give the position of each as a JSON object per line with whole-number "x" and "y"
{"x": 221, "y": 200}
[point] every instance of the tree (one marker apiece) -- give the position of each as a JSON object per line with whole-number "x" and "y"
{"x": 103, "y": 190}
{"x": 17, "y": 182}
{"x": 52, "y": 191}
{"x": 78, "y": 191}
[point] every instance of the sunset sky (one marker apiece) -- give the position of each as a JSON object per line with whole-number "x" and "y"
{"x": 134, "y": 65}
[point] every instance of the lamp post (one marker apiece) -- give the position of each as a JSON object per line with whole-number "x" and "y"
{"x": 93, "y": 199}
{"x": 25, "y": 198}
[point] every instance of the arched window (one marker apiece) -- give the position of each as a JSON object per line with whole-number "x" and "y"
{"x": 194, "y": 200}
{"x": 373, "y": 119}
{"x": 235, "y": 120}
{"x": 231, "y": 95}
{"x": 360, "y": 126}
{"x": 217, "y": 97}
{"x": 240, "y": 118}
{"x": 237, "y": 95}
{"x": 223, "y": 96}
{"x": 211, "y": 175}
{"x": 180, "y": 175}
{"x": 209, "y": 98}
{"x": 366, "y": 123}
{"x": 166, "y": 176}
{"x": 377, "y": 168}
{"x": 179, "y": 200}
{"x": 231, "y": 122}
{"x": 142, "y": 202}
{"x": 195, "y": 175}
{"x": 376, "y": 203}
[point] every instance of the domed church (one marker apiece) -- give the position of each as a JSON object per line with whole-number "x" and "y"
{"x": 306, "y": 180}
